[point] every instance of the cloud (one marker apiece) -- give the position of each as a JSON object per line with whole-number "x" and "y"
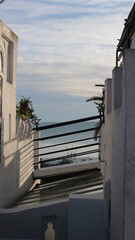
{"x": 65, "y": 46}
{"x": 33, "y": 10}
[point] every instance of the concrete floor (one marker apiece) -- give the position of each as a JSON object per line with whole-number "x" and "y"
{"x": 60, "y": 187}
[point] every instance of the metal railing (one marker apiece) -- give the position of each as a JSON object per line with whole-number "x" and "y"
{"x": 63, "y": 142}
{"x": 125, "y": 40}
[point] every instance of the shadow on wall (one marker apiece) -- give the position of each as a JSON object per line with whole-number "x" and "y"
{"x": 17, "y": 165}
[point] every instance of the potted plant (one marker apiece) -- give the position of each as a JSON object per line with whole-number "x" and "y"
{"x": 25, "y": 110}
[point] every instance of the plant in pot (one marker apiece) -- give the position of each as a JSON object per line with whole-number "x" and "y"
{"x": 25, "y": 110}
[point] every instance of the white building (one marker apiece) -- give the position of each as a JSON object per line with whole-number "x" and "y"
{"x": 118, "y": 140}
{"x": 15, "y": 135}
{"x": 80, "y": 216}
{"x": 16, "y": 172}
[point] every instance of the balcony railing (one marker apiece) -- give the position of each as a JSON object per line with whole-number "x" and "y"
{"x": 67, "y": 141}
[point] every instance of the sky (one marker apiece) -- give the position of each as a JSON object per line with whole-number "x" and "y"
{"x": 65, "y": 47}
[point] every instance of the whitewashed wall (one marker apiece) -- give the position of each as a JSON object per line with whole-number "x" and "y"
{"x": 16, "y": 138}
{"x": 129, "y": 181}
{"x": 85, "y": 217}
{"x": 31, "y": 222}
{"x": 112, "y": 151}
{"x": 17, "y": 165}
{"x": 117, "y": 151}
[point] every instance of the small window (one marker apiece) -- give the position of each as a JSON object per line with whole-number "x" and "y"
{"x": 1, "y": 62}
{"x": 8, "y": 59}
{"x": 9, "y": 127}
{"x": 10, "y": 62}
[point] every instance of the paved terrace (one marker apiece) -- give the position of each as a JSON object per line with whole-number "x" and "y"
{"x": 60, "y": 186}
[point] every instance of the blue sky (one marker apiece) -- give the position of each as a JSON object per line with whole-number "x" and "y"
{"x": 65, "y": 48}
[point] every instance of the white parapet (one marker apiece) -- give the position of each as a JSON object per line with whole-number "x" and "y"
{"x": 67, "y": 168}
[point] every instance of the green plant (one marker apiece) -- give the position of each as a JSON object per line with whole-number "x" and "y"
{"x": 99, "y": 101}
{"x": 68, "y": 158}
{"x": 25, "y": 110}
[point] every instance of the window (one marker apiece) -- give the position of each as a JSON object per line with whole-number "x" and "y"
{"x": 8, "y": 59}
{"x": 9, "y": 126}
{"x": 10, "y": 63}
{"x": 1, "y": 62}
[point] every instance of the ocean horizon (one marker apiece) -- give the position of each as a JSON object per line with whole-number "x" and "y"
{"x": 68, "y": 154}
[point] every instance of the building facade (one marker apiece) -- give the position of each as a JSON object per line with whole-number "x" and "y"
{"x": 117, "y": 140}
{"x": 16, "y": 146}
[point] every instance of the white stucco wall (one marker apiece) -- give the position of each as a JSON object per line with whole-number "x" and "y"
{"x": 117, "y": 151}
{"x": 8, "y": 89}
{"x": 133, "y": 41}
{"x": 85, "y": 218}
{"x": 112, "y": 152}
{"x": 17, "y": 166}
{"x": 117, "y": 138}
{"x": 31, "y": 222}
{"x": 112, "y": 145}
{"x": 129, "y": 193}
{"x": 16, "y": 147}
{"x": 66, "y": 168}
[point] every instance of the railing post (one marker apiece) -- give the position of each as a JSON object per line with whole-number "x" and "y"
{"x": 36, "y": 150}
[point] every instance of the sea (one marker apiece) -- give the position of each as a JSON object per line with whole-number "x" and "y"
{"x": 65, "y": 149}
